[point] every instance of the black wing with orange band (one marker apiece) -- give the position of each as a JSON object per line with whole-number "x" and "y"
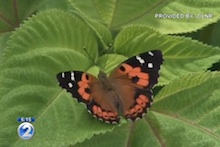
{"x": 86, "y": 88}
{"x": 134, "y": 79}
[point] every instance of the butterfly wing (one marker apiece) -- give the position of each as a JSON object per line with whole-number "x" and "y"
{"x": 87, "y": 89}
{"x": 133, "y": 80}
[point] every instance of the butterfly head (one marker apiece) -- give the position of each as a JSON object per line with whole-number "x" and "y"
{"x": 102, "y": 75}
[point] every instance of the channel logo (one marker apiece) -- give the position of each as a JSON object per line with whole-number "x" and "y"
{"x": 25, "y": 130}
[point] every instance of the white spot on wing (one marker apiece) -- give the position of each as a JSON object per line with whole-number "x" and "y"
{"x": 70, "y": 85}
{"x": 140, "y": 59}
{"x": 72, "y": 76}
{"x": 150, "y": 65}
{"x": 114, "y": 122}
{"x": 137, "y": 118}
{"x": 63, "y": 75}
{"x": 151, "y": 54}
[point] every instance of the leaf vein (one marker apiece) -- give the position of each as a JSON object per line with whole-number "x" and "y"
{"x": 140, "y": 15}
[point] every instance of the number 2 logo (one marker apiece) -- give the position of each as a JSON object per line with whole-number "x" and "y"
{"x": 25, "y": 130}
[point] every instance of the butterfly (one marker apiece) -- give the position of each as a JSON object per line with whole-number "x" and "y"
{"x": 126, "y": 91}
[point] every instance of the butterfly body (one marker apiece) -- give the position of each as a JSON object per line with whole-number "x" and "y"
{"x": 110, "y": 88}
{"x": 126, "y": 91}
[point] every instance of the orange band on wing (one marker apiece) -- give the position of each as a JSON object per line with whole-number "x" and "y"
{"x": 142, "y": 75}
{"x": 141, "y": 102}
{"x": 84, "y": 77}
{"x": 126, "y": 113}
{"x": 112, "y": 115}
{"x": 143, "y": 98}
{"x": 83, "y": 84}
{"x": 138, "y": 108}
{"x": 105, "y": 115}
{"x": 136, "y": 69}
{"x": 142, "y": 82}
{"x": 81, "y": 91}
{"x": 99, "y": 110}
{"x": 86, "y": 96}
{"x": 133, "y": 112}
{"x": 125, "y": 68}
{"x": 95, "y": 109}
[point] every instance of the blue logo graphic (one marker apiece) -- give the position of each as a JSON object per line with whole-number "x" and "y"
{"x": 26, "y": 119}
{"x": 26, "y": 130}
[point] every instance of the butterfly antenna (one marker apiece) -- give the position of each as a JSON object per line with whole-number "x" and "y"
{"x": 91, "y": 58}
{"x": 108, "y": 51}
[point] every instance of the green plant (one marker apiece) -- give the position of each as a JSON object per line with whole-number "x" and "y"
{"x": 49, "y": 39}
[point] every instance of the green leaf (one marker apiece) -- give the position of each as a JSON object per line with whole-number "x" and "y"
{"x": 102, "y": 33}
{"x": 191, "y": 106}
{"x": 13, "y": 12}
{"x": 47, "y": 43}
{"x": 3, "y": 43}
{"x": 116, "y": 14}
{"x": 55, "y": 31}
{"x": 131, "y": 134}
{"x": 181, "y": 55}
{"x": 51, "y": 41}
{"x": 185, "y": 113}
{"x": 58, "y": 4}
{"x": 215, "y": 33}
{"x": 108, "y": 62}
